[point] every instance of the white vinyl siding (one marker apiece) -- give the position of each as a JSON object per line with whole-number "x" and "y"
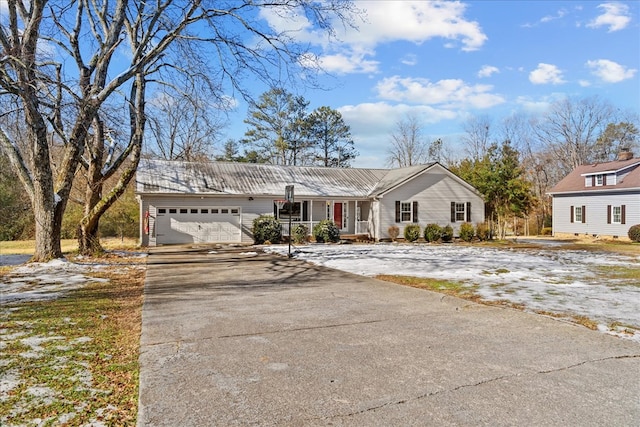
{"x": 433, "y": 191}
{"x": 599, "y": 214}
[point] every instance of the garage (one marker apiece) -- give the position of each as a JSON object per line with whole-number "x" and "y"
{"x": 175, "y": 225}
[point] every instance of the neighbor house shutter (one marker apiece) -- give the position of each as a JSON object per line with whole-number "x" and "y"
{"x": 415, "y": 211}
{"x": 593, "y": 180}
{"x": 453, "y": 211}
{"x": 623, "y": 212}
{"x": 468, "y": 211}
{"x": 572, "y": 214}
{"x": 305, "y": 210}
{"x": 397, "y": 210}
{"x": 608, "y": 214}
{"x": 604, "y": 179}
{"x": 584, "y": 214}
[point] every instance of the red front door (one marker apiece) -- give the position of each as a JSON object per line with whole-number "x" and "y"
{"x": 337, "y": 214}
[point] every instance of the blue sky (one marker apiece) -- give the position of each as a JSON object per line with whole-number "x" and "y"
{"x": 446, "y": 61}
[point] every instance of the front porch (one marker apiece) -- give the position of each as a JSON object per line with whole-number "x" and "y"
{"x": 351, "y": 216}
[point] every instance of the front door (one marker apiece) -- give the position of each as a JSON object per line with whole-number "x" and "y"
{"x": 340, "y": 215}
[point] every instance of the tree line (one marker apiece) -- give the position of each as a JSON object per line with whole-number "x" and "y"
{"x": 515, "y": 161}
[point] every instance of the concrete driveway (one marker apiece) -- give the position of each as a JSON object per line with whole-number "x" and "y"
{"x": 244, "y": 338}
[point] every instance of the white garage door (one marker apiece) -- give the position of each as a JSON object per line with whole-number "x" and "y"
{"x": 198, "y": 225}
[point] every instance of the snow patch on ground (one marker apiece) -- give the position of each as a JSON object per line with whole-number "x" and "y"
{"x": 45, "y": 281}
{"x": 558, "y": 281}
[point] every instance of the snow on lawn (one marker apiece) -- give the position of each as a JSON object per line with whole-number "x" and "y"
{"x": 42, "y": 281}
{"x": 567, "y": 282}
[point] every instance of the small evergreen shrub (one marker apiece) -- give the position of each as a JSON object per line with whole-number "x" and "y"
{"x": 300, "y": 233}
{"x": 432, "y": 232}
{"x": 394, "y": 232}
{"x": 326, "y": 231}
{"x": 467, "y": 231}
{"x": 411, "y": 232}
{"x": 447, "y": 233}
{"x": 483, "y": 232}
{"x": 546, "y": 231}
{"x": 266, "y": 229}
{"x": 634, "y": 233}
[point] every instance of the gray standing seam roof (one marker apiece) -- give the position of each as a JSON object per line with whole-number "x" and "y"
{"x": 225, "y": 178}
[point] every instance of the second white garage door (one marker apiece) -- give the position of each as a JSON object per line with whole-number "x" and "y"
{"x": 175, "y": 225}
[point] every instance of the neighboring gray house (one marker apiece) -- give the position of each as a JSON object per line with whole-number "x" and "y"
{"x": 598, "y": 200}
{"x": 198, "y": 202}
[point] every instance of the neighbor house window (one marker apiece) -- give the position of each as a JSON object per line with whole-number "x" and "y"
{"x": 282, "y": 213}
{"x": 578, "y": 214}
{"x": 599, "y": 180}
{"x": 460, "y": 212}
{"x": 616, "y": 214}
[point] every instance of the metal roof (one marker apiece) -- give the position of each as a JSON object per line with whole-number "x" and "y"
{"x": 225, "y": 178}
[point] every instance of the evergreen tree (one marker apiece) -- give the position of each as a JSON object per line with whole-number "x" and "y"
{"x": 276, "y": 128}
{"x": 331, "y": 137}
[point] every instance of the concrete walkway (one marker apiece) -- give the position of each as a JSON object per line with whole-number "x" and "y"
{"x": 242, "y": 338}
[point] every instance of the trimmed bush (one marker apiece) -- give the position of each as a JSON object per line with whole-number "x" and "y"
{"x": 447, "y": 233}
{"x": 300, "y": 233}
{"x": 483, "y": 232}
{"x": 411, "y": 232}
{"x": 326, "y": 231}
{"x": 467, "y": 231}
{"x": 634, "y": 233}
{"x": 394, "y": 232}
{"x": 266, "y": 229}
{"x": 432, "y": 232}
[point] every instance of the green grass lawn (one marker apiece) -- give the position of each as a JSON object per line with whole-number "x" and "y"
{"x": 73, "y": 360}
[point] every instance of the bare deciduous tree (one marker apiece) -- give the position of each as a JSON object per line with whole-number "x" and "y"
{"x": 571, "y": 129}
{"x": 408, "y": 145}
{"x": 477, "y": 138}
{"x": 121, "y": 49}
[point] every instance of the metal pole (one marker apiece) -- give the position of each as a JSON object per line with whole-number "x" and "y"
{"x": 290, "y": 209}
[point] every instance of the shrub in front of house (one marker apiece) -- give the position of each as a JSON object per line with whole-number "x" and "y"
{"x": 546, "y": 231}
{"x": 483, "y": 231}
{"x": 432, "y": 232}
{"x": 411, "y": 232}
{"x": 266, "y": 229}
{"x": 326, "y": 231}
{"x": 467, "y": 231}
{"x": 447, "y": 233}
{"x": 394, "y": 232}
{"x": 634, "y": 233}
{"x": 300, "y": 233}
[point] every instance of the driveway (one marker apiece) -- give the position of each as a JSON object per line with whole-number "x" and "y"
{"x": 238, "y": 337}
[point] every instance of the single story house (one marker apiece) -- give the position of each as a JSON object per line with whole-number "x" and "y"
{"x": 598, "y": 200}
{"x": 198, "y": 202}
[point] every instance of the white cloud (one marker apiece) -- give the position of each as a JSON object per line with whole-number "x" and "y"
{"x": 609, "y": 71}
{"x": 548, "y": 18}
{"x": 561, "y": 13}
{"x": 384, "y": 22}
{"x": 584, "y": 83}
{"x": 546, "y": 74}
{"x": 342, "y": 63}
{"x": 616, "y": 16}
{"x": 448, "y": 92}
{"x": 409, "y": 59}
{"x": 372, "y": 124}
{"x": 487, "y": 71}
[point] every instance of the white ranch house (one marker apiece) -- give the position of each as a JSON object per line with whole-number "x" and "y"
{"x": 598, "y": 200}
{"x": 216, "y": 202}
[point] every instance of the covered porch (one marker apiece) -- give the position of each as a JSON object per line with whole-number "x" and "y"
{"x": 351, "y": 216}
